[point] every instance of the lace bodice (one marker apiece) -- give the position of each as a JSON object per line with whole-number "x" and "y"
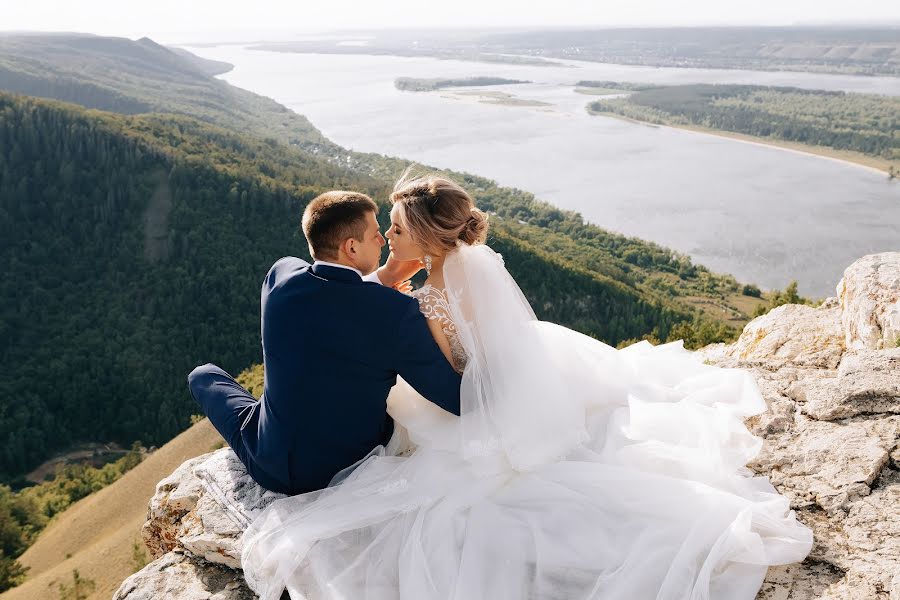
{"x": 434, "y": 305}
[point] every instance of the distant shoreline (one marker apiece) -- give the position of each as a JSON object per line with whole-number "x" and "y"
{"x": 855, "y": 159}
{"x": 521, "y": 57}
{"x": 449, "y": 54}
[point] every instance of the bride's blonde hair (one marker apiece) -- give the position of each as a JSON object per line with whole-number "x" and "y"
{"x": 438, "y": 212}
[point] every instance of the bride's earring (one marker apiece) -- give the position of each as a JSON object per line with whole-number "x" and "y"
{"x": 427, "y": 261}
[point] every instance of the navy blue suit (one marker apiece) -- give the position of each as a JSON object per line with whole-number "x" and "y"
{"x": 333, "y": 346}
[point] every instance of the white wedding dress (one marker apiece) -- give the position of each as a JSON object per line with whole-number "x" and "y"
{"x": 575, "y": 471}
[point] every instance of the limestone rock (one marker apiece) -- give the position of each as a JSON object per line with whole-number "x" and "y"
{"x": 873, "y": 525}
{"x": 176, "y": 575}
{"x": 821, "y": 463}
{"x": 866, "y": 382}
{"x": 780, "y": 416}
{"x": 794, "y": 333}
{"x": 175, "y": 497}
{"x": 869, "y": 294}
{"x": 203, "y": 507}
{"x": 863, "y": 542}
{"x": 715, "y": 353}
{"x": 831, "y": 430}
{"x": 808, "y": 580}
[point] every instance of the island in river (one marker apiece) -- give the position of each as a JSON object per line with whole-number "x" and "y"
{"x": 413, "y": 84}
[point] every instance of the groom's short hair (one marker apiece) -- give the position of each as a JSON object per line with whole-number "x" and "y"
{"x": 333, "y": 217}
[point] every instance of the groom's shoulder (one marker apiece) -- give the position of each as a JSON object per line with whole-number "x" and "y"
{"x": 288, "y": 262}
{"x": 284, "y": 269}
{"x": 392, "y": 305}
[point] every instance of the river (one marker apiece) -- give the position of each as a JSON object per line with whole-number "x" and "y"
{"x": 765, "y": 215}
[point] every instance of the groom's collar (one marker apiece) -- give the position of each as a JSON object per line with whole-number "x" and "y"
{"x": 329, "y": 270}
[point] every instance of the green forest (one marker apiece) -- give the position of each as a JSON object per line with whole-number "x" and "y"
{"x": 134, "y": 249}
{"x": 864, "y": 123}
{"x": 126, "y": 266}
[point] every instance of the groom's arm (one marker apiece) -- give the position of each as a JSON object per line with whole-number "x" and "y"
{"x": 422, "y": 364}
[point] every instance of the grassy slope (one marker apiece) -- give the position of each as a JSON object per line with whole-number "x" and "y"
{"x": 99, "y": 530}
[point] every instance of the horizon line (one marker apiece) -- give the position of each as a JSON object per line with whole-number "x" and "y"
{"x": 843, "y": 24}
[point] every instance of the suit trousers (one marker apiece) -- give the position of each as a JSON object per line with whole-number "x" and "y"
{"x": 234, "y": 412}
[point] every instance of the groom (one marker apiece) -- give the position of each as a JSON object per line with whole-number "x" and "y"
{"x": 334, "y": 340}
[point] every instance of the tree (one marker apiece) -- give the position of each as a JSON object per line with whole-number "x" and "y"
{"x": 788, "y": 296}
{"x": 80, "y": 589}
{"x": 751, "y": 290}
{"x": 12, "y": 573}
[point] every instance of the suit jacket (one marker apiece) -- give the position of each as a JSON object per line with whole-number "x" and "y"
{"x": 333, "y": 346}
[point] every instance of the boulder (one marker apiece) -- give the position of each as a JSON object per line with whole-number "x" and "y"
{"x": 178, "y": 575}
{"x": 869, "y": 294}
{"x": 194, "y": 525}
{"x": 866, "y": 382}
{"x": 792, "y": 333}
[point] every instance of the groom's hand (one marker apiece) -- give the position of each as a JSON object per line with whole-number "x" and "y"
{"x": 394, "y": 272}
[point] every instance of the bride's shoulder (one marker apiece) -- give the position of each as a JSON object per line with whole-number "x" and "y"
{"x": 432, "y": 301}
{"x": 429, "y": 293}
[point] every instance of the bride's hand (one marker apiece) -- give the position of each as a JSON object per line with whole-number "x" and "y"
{"x": 395, "y": 272}
{"x": 404, "y": 287}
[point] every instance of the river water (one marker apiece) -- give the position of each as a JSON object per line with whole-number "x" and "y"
{"x": 763, "y": 214}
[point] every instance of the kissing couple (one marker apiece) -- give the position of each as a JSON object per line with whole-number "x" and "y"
{"x": 444, "y": 443}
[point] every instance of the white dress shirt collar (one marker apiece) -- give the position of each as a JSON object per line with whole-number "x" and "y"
{"x": 331, "y": 264}
{"x": 371, "y": 277}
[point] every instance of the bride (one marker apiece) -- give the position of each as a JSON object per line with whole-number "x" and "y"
{"x": 576, "y": 470}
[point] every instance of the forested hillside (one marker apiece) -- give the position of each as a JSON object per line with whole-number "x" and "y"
{"x": 124, "y": 267}
{"x": 134, "y": 248}
{"x": 132, "y": 77}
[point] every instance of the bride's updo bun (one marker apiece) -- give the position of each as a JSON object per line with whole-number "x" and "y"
{"x": 438, "y": 213}
{"x": 475, "y": 231}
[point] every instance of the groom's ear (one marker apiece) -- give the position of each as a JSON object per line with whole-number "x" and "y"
{"x": 349, "y": 247}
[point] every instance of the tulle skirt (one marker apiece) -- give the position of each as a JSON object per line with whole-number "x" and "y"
{"x": 656, "y": 504}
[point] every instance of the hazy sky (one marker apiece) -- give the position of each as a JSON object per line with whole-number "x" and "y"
{"x": 177, "y": 20}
